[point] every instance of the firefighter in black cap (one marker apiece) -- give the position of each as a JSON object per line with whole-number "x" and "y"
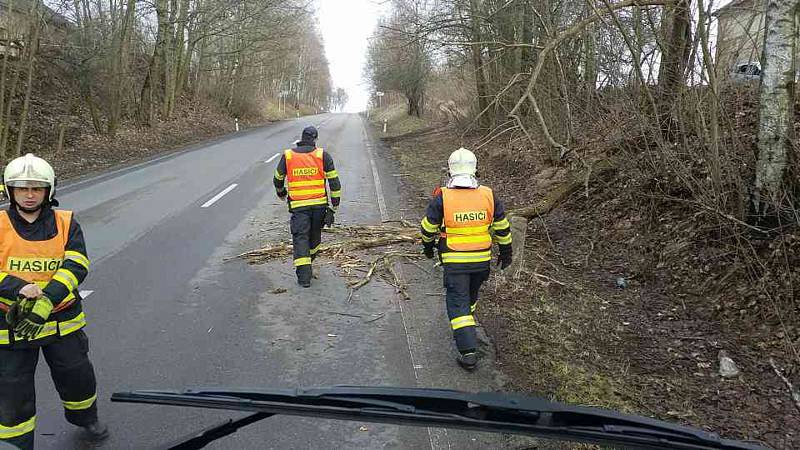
{"x": 300, "y": 178}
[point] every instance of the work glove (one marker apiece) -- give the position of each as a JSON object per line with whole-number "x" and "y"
{"x": 329, "y": 217}
{"x": 30, "y": 325}
{"x": 428, "y": 251}
{"x": 504, "y": 258}
{"x": 281, "y": 194}
{"x": 18, "y": 310}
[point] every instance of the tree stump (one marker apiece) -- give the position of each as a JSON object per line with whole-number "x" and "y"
{"x": 519, "y": 229}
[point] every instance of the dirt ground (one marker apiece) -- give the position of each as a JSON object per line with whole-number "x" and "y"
{"x": 615, "y": 309}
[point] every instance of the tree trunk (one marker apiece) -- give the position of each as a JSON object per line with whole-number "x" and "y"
{"x": 7, "y": 114}
{"x": 3, "y": 76}
{"x": 476, "y": 49}
{"x": 713, "y": 103}
{"x": 414, "y": 99}
{"x": 181, "y": 52}
{"x": 62, "y": 130}
{"x": 776, "y": 111}
{"x": 169, "y": 61}
{"x": 199, "y": 77}
{"x": 88, "y": 97}
{"x": 32, "y": 49}
{"x": 119, "y": 66}
{"x": 152, "y": 87}
{"x": 677, "y": 36}
{"x": 590, "y": 61}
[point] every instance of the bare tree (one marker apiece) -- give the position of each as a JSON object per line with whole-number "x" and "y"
{"x": 399, "y": 57}
{"x": 776, "y": 114}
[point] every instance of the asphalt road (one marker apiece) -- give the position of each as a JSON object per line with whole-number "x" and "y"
{"x": 167, "y": 311}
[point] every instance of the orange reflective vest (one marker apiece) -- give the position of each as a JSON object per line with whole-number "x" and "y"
{"x": 39, "y": 262}
{"x": 468, "y": 214}
{"x": 305, "y": 178}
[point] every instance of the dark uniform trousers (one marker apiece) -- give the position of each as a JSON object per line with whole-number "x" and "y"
{"x": 462, "y": 298}
{"x": 306, "y": 227}
{"x": 72, "y": 373}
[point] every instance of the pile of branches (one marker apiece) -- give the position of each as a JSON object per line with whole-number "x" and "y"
{"x": 347, "y": 240}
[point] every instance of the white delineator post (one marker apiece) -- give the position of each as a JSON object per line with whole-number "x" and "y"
{"x": 236, "y": 121}
{"x": 385, "y": 121}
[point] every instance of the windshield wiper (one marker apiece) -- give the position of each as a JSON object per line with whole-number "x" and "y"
{"x": 488, "y": 412}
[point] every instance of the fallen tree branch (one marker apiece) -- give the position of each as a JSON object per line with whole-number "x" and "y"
{"x": 539, "y": 275}
{"x": 557, "y": 196}
{"x": 344, "y": 314}
{"x": 335, "y": 248}
{"x": 792, "y": 391}
{"x": 356, "y": 286}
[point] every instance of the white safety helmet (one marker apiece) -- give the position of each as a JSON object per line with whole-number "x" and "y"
{"x": 30, "y": 171}
{"x": 462, "y": 166}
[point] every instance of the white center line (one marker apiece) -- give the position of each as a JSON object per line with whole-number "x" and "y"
{"x": 219, "y": 196}
{"x": 272, "y": 158}
{"x": 86, "y": 293}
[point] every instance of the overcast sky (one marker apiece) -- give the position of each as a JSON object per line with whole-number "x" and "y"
{"x": 346, "y": 26}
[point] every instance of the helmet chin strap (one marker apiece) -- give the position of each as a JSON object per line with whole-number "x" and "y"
{"x": 29, "y": 210}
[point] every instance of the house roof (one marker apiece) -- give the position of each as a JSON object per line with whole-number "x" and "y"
{"x": 25, "y": 6}
{"x": 739, "y": 6}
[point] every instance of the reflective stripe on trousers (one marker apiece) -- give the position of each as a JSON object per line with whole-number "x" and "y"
{"x": 462, "y": 295}
{"x": 306, "y": 227}
{"x": 74, "y": 379}
{"x": 12, "y": 431}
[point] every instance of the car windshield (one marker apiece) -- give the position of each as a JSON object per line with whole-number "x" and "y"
{"x": 233, "y": 210}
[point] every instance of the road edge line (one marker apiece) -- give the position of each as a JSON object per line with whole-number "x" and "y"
{"x": 385, "y": 217}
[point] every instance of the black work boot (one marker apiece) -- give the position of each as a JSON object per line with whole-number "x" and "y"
{"x": 304, "y": 276}
{"x": 469, "y": 361}
{"x": 96, "y": 431}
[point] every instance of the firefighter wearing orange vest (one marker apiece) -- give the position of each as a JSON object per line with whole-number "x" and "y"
{"x": 42, "y": 262}
{"x": 466, "y": 218}
{"x": 300, "y": 178}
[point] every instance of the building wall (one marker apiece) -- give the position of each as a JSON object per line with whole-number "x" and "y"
{"x": 740, "y": 37}
{"x": 13, "y": 24}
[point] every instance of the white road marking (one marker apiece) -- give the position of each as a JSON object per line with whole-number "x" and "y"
{"x": 86, "y": 293}
{"x": 219, "y": 196}
{"x": 378, "y": 188}
{"x": 272, "y": 158}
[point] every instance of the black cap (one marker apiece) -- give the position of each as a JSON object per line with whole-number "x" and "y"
{"x": 309, "y": 133}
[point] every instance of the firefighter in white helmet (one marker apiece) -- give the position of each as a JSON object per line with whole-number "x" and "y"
{"x": 466, "y": 218}
{"x": 42, "y": 262}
